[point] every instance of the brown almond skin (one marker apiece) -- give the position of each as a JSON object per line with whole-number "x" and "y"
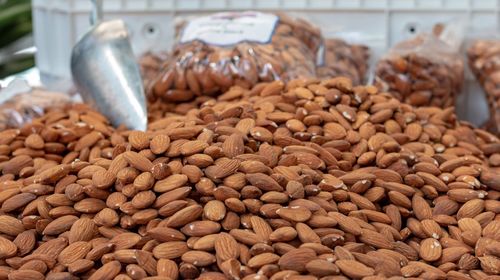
{"x": 430, "y": 249}
{"x": 26, "y": 275}
{"x": 296, "y": 214}
{"x": 296, "y": 259}
{"x": 170, "y": 250}
{"x": 354, "y": 269}
{"x": 7, "y": 248}
{"x": 107, "y": 271}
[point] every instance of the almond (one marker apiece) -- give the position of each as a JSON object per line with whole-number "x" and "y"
{"x": 185, "y": 216}
{"x": 170, "y": 183}
{"x": 25, "y": 242}
{"x": 200, "y": 228}
{"x": 170, "y": 250}
{"x": 16, "y": 164}
{"x": 88, "y": 140}
{"x": 147, "y": 262}
{"x": 159, "y": 144}
{"x": 331, "y": 183}
{"x": 431, "y": 229}
{"x": 354, "y": 269}
{"x": 430, "y": 249}
{"x": 306, "y": 234}
{"x": 453, "y": 254}
{"x": 138, "y": 139}
{"x": 107, "y": 271}
{"x": 272, "y": 88}
{"x": 167, "y": 268}
{"x": 138, "y": 161}
{"x": 7, "y": 248}
{"x": 83, "y": 229}
{"x": 261, "y": 227}
{"x": 103, "y": 179}
{"x": 10, "y": 225}
{"x": 75, "y": 251}
{"x": 346, "y": 223}
{"x": 214, "y": 210}
{"x": 34, "y": 141}
{"x": 468, "y": 262}
{"x": 193, "y": 147}
{"x": 490, "y": 264}
{"x": 205, "y": 243}
{"x": 245, "y": 236}
{"x": 198, "y": 258}
{"x": 296, "y": 259}
{"x": 421, "y": 208}
{"x": 165, "y": 234}
{"x": 294, "y": 213}
{"x": 89, "y": 205}
{"x": 51, "y": 248}
{"x": 283, "y": 234}
{"x": 233, "y": 145}
{"x": 80, "y": 266}
{"x": 26, "y": 275}
{"x": 263, "y": 259}
{"x": 263, "y": 182}
{"x": 322, "y": 268}
{"x": 226, "y": 247}
{"x": 17, "y": 201}
{"x": 60, "y": 225}
{"x": 222, "y": 169}
{"x": 8, "y": 136}
{"x": 125, "y": 240}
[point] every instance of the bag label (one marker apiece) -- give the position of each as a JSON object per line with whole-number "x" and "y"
{"x": 231, "y": 28}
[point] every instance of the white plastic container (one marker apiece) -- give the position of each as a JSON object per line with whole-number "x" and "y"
{"x": 58, "y": 24}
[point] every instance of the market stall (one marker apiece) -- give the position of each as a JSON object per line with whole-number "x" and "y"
{"x": 253, "y": 141}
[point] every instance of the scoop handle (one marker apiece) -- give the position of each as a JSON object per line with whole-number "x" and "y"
{"x": 96, "y": 15}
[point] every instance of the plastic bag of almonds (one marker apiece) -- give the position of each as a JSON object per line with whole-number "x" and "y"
{"x": 484, "y": 60}
{"x": 343, "y": 59}
{"x": 218, "y": 51}
{"x": 23, "y": 107}
{"x": 150, "y": 65}
{"x": 426, "y": 70}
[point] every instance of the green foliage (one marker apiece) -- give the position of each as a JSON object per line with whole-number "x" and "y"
{"x": 15, "y": 23}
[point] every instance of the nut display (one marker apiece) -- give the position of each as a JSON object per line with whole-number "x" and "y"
{"x": 422, "y": 72}
{"x": 484, "y": 60}
{"x": 304, "y": 180}
{"x": 344, "y": 59}
{"x": 199, "y": 68}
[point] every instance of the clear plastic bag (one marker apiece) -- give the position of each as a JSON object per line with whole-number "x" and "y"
{"x": 343, "y": 59}
{"x": 484, "y": 61}
{"x": 426, "y": 70}
{"x": 24, "y": 107}
{"x": 150, "y": 65}
{"x": 218, "y": 51}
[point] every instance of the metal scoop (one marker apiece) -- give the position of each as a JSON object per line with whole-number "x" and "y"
{"x": 106, "y": 73}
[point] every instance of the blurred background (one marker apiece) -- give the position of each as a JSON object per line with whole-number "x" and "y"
{"x": 16, "y": 40}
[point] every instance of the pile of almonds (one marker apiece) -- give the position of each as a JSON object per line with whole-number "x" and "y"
{"x": 308, "y": 180}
